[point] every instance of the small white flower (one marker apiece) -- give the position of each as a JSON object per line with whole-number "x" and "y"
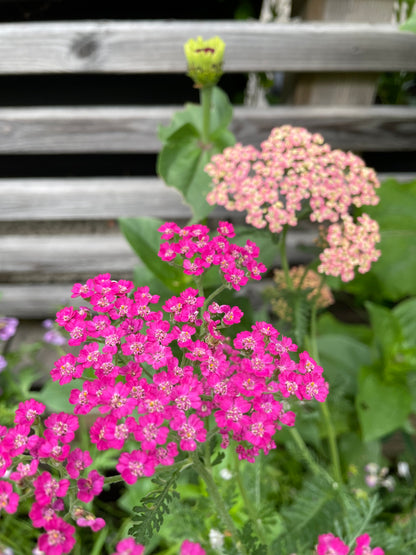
{"x": 403, "y": 469}
{"x": 389, "y": 483}
{"x": 216, "y": 539}
{"x": 225, "y": 474}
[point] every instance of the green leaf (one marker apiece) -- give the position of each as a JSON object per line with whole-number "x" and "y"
{"x": 268, "y": 249}
{"x": 182, "y": 159}
{"x": 398, "y": 353}
{"x": 144, "y": 238}
{"x": 386, "y": 328}
{"x": 221, "y": 112}
{"x": 341, "y": 357}
{"x": 382, "y": 407}
{"x": 55, "y": 396}
{"x": 221, "y": 116}
{"x": 181, "y": 165}
{"x": 354, "y": 451}
{"x": 392, "y": 276}
{"x": 409, "y": 24}
{"x": 405, "y": 313}
{"x": 149, "y": 515}
{"x": 328, "y": 324}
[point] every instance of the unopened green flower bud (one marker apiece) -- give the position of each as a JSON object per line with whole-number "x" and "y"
{"x": 205, "y": 58}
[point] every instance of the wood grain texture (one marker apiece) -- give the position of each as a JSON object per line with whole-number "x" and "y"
{"x": 52, "y": 259}
{"x": 85, "y": 254}
{"x": 157, "y": 46}
{"x": 340, "y": 88}
{"x": 89, "y": 199}
{"x": 24, "y": 200}
{"x": 134, "y": 129}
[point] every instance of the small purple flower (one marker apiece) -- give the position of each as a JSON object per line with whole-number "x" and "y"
{"x": 52, "y": 336}
{"x": 3, "y": 363}
{"x": 8, "y": 327}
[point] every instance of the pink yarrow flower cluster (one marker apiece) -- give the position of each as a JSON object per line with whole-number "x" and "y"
{"x": 148, "y": 376}
{"x": 328, "y": 544}
{"x": 295, "y": 170}
{"x": 198, "y": 252}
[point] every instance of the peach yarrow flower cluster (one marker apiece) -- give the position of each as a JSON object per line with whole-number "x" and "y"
{"x": 304, "y": 279}
{"x": 296, "y": 173}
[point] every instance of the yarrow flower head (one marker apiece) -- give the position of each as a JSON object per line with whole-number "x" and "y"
{"x": 303, "y": 279}
{"x": 296, "y": 171}
{"x": 328, "y": 544}
{"x": 154, "y": 380}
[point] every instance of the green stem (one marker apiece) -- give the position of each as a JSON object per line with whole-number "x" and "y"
{"x": 213, "y": 295}
{"x": 332, "y": 438}
{"x": 205, "y": 96}
{"x": 252, "y": 513}
{"x": 218, "y": 501}
{"x": 283, "y": 258}
{"x": 313, "y": 465}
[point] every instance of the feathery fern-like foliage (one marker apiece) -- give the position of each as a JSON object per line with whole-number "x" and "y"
{"x": 149, "y": 515}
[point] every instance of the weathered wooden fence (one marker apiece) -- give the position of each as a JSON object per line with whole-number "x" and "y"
{"x": 39, "y": 264}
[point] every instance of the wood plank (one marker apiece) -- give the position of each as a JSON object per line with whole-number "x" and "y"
{"x": 89, "y": 199}
{"x": 48, "y": 255}
{"x": 33, "y": 301}
{"x": 157, "y": 46}
{"x": 101, "y": 198}
{"x": 134, "y": 129}
{"x": 340, "y": 88}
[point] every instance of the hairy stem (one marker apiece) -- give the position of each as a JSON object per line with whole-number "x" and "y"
{"x": 218, "y": 501}
{"x": 248, "y": 503}
{"x": 283, "y": 258}
{"x": 205, "y": 99}
{"x": 332, "y": 438}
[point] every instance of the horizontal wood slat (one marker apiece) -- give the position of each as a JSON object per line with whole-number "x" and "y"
{"x": 81, "y": 256}
{"x": 157, "y": 46}
{"x": 43, "y": 255}
{"x": 88, "y": 199}
{"x": 134, "y": 129}
{"x": 59, "y": 199}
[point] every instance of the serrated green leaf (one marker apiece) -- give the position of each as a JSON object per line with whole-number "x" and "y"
{"x": 382, "y": 407}
{"x": 154, "y": 506}
{"x": 144, "y": 238}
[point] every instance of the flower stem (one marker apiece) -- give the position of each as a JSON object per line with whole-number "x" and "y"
{"x": 333, "y": 448}
{"x": 205, "y": 96}
{"x": 332, "y": 438}
{"x": 218, "y": 501}
{"x": 250, "y": 508}
{"x": 315, "y": 468}
{"x": 283, "y": 258}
